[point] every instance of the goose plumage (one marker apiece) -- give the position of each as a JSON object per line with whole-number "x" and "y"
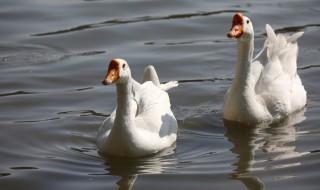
{"x": 268, "y": 87}
{"x": 142, "y": 122}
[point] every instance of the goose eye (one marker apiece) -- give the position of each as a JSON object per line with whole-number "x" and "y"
{"x": 123, "y": 66}
{"x": 248, "y": 21}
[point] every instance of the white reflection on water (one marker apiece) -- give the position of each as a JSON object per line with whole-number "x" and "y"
{"x": 268, "y": 142}
{"x": 128, "y": 169}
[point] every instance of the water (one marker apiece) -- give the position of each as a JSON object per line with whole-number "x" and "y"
{"x": 53, "y": 55}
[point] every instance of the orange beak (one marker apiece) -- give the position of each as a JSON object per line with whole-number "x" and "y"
{"x": 113, "y": 73}
{"x": 236, "y": 30}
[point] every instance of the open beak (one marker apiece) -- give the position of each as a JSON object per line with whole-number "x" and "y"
{"x": 236, "y": 30}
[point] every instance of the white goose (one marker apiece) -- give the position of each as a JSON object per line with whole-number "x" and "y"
{"x": 268, "y": 87}
{"x": 143, "y": 122}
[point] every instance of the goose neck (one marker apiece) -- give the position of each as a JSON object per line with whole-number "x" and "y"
{"x": 124, "y": 95}
{"x": 244, "y": 60}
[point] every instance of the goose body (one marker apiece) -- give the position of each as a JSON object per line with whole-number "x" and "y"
{"x": 268, "y": 87}
{"x": 142, "y": 122}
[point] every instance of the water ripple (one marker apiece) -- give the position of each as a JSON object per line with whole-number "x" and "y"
{"x": 205, "y": 41}
{"x": 24, "y": 168}
{"x": 37, "y": 120}
{"x": 308, "y": 67}
{"x": 289, "y": 29}
{"x": 4, "y": 174}
{"x": 205, "y": 80}
{"x": 136, "y": 20}
{"x": 295, "y": 28}
{"x": 85, "y": 113}
{"x": 90, "y": 53}
{"x": 20, "y": 92}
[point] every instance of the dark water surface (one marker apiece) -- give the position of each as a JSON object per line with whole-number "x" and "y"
{"x": 53, "y": 54}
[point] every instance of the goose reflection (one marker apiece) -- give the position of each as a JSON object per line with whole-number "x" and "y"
{"x": 128, "y": 169}
{"x": 270, "y": 139}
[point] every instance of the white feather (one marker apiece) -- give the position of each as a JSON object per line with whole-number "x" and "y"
{"x": 142, "y": 124}
{"x": 274, "y": 88}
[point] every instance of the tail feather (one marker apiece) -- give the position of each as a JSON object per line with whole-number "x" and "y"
{"x": 294, "y": 37}
{"x": 150, "y": 74}
{"x": 168, "y": 85}
{"x": 270, "y": 33}
{"x": 283, "y": 48}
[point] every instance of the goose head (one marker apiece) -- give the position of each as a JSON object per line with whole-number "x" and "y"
{"x": 241, "y": 28}
{"x": 118, "y": 72}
